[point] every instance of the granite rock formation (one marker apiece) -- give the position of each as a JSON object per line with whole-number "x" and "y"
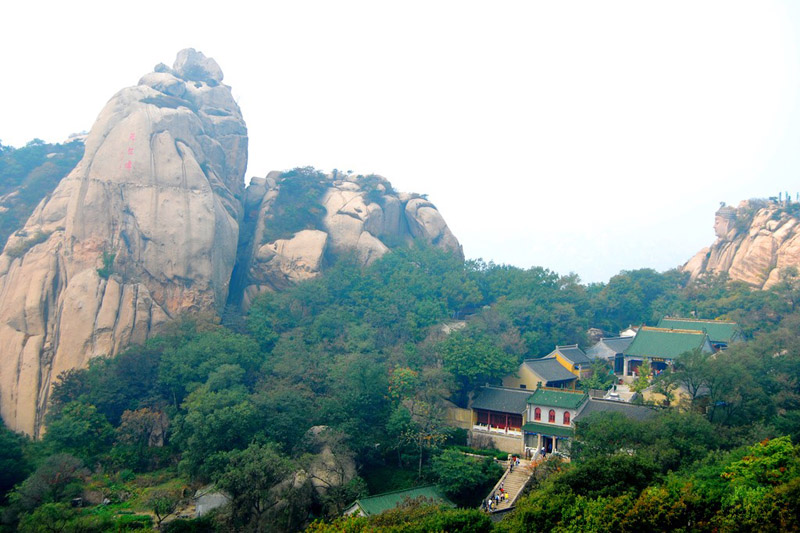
{"x": 359, "y": 216}
{"x": 756, "y": 243}
{"x": 145, "y": 227}
{"x": 155, "y": 221}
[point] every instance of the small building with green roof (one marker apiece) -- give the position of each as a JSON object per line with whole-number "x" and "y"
{"x": 377, "y": 504}
{"x": 720, "y": 333}
{"x": 551, "y": 413}
{"x": 660, "y": 346}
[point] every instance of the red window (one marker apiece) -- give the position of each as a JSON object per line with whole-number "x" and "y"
{"x": 537, "y": 414}
{"x": 551, "y": 417}
{"x": 566, "y": 418}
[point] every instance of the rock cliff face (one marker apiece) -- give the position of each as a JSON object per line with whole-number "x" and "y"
{"x": 755, "y": 243}
{"x": 143, "y": 228}
{"x": 340, "y": 215}
{"x": 155, "y": 221}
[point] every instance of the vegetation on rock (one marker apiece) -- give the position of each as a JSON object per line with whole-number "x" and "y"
{"x": 298, "y": 204}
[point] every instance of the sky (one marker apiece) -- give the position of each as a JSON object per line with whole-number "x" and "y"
{"x": 585, "y": 137}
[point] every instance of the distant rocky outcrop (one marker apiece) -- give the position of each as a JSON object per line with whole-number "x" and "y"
{"x": 143, "y": 228}
{"x": 333, "y": 216}
{"x": 756, "y": 243}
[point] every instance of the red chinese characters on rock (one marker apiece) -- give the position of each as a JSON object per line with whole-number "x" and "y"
{"x": 131, "y": 140}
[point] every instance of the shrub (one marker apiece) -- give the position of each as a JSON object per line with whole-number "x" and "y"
{"x": 297, "y": 206}
{"x": 108, "y": 265}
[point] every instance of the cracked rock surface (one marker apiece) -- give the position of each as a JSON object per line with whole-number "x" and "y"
{"x": 363, "y": 218}
{"x": 758, "y": 242}
{"x": 145, "y": 227}
{"x": 155, "y": 221}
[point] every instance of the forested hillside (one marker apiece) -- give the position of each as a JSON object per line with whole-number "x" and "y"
{"x": 374, "y": 354}
{"x": 27, "y": 175}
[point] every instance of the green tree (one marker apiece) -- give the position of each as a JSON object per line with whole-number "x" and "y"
{"x": 139, "y": 436}
{"x": 47, "y": 518}
{"x": 465, "y": 480}
{"x": 474, "y": 361}
{"x": 263, "y": 495}
{"x": 14, "y": 466}
{"x": 190, "y": 364}
{"x": 285, "y": 412}
{"x": 57, "y": 479}
{"x": 601, "y": 378}
{"x": 642, "y": 381}
{"x": 163, "y": 503}
{"x": 214, "y": 423}
{"x": 691, "y": 370}
{"x": 78, "y": 428}
{"x": 419, "y": 414}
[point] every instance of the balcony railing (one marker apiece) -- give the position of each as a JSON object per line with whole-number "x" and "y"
{"x": 514, "y": 432}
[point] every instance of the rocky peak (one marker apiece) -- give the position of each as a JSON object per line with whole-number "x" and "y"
{"x": 331, "y": 216}
{"x": 145, "y": 227}
{"x": 756, "y": 242}
{"x": 155, "y": 221}
{"x": 193, "y": 65}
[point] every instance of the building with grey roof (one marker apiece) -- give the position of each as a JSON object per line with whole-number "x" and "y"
{"x": 498, "y": 414}
{"x": 573, "y": 359}
{"x": 634, "y": 412}
{"x": 501, "y": 400}
{"x": 611, "y": 350}
{"x": 544, "y": 372}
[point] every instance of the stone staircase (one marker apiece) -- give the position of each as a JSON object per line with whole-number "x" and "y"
{"x": 513, "y": 483}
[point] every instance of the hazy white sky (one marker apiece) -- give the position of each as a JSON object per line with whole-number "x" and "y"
{"x": 585, "y": 137}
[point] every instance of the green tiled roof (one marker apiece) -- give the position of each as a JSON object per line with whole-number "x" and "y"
{"x": 718, "y": 330}
{"x": 389, "y": 500}
{"x": 547, "y": 429}
{"x": 666, "y": 343}
{"x": 557, "y": 398}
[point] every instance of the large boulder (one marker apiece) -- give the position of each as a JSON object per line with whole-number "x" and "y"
{"x": 145, "y": 227}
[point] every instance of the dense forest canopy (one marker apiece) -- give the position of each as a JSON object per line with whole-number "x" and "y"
{"x": 374, "y": 355}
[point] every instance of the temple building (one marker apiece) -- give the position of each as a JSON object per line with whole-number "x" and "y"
{"x": 527, "y": 421}
{"x": 611, "y": 350}
{"x": 551, "y": 413}
{"x": 544, "y": 372}
{"x": 573, "y": 359}
{"x": 498, "y": 415}
{"x": 661, "y": 347}
{"x": 721, "y": 333}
